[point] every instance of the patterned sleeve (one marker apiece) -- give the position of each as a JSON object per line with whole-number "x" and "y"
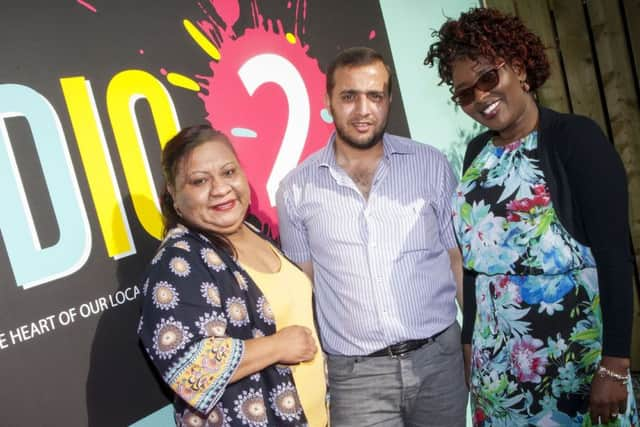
{"x": 183, "y": 325}
{"x": 448, "y": 184}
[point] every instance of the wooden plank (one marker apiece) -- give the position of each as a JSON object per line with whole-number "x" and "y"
{"x": 575, "y": 49}
{"x": 535, "y": 14}
{"x": 621, "y": 100}
{"x": 632, "y": 15}
{"x": 506, "y": 6}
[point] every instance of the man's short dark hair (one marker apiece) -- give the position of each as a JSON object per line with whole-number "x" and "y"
{"x": 355, "y": 57}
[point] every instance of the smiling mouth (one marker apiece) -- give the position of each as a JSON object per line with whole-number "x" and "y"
{"x": 224, "y": 206}
{"x": 490, "y": 109}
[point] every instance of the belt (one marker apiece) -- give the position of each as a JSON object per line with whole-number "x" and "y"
{"x": 402, "y": 348}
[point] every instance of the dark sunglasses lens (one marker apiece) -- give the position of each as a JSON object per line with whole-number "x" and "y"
{"x": 488, "y": 80}
{"x": 465, "y": 96}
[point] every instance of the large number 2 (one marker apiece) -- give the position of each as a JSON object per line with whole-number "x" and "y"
{"x": 270, "y": 68}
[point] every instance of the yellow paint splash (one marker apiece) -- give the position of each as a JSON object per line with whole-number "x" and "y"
{"x": 183, "y": 82}
{"x": 201, "y": 40}
{"x": 290, "y": 38}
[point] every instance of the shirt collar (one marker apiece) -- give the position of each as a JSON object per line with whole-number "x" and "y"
{"x": 390, "y": 143}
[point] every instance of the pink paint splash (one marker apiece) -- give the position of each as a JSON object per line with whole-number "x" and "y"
{"x": 163, "y": 71}
{"x": 372, "y": 35}
{"x": 87, "y": 5}
{"x": 141, "y": 51}
{"x": 266, "y": 113}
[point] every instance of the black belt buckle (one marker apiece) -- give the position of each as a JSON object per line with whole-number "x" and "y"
{"x": 398, "y": 351}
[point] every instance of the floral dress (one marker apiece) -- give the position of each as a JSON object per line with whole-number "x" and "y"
{"x": 537, "y": 333}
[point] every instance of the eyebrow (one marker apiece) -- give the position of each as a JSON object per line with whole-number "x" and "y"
{"x": 206, "y": 171}
{"x": 357, "y": 92}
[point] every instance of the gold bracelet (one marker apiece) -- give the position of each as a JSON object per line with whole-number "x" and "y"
{"x": 604, "y": 372}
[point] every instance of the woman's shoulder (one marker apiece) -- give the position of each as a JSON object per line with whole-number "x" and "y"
{"x": 474, "y": 147}
{"x": 193, "y": 247}
{"x": 573, "y": 137}
{"x": 569, "y": 124}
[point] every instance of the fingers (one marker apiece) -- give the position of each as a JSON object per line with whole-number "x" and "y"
{"x": 604, "y": 413}
{"x": 618, "y": 408}
{"x": 622, "y": 404}
{"x": 613, "y": 411}
{"x": 599, "y": 413}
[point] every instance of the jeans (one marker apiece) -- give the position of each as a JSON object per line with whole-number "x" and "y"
{"x": 422, "y": 388}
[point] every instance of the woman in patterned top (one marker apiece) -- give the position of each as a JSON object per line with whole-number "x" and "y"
{"x": 541, "y": 217}
{"x": 227, "y": 320}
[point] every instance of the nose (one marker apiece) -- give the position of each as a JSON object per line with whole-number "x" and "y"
{"x": 219, "y": 188}
{"x": 362, "y": 105}
{"x": 479, "y": 94}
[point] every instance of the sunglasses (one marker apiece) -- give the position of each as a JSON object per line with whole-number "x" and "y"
{"x": 487, "y": 81}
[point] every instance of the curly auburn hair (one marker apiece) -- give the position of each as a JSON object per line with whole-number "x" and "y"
{"x": 488, "y": 33}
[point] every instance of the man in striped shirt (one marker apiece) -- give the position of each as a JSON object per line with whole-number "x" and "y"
{"x": 368, "y": 218}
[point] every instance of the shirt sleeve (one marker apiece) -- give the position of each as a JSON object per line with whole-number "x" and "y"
{"x": 598, "y": 184}
{"x": 293, "y": 232}
{"x": 183, "y": 324}
{"x": 448, "y": 183}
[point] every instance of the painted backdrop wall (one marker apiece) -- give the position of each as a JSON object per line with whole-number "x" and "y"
{"x": 89, "y": 92}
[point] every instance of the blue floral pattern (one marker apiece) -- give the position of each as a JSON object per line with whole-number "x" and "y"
{"x": 538, "y": 328}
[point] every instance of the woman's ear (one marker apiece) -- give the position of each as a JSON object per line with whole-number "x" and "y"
{"x": 518, "y": 67}
{"x": 521, "y": 74}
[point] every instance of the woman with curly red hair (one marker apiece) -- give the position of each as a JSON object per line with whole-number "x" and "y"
{"x": 541, "y": 219}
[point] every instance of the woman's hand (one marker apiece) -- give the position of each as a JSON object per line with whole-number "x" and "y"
{"x": 466, "y": 353}
{"x": 295, "y": 344}
{"x": 608, "y": 395}
{"x": 290, "y": 345}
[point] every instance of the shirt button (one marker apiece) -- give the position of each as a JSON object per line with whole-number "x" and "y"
{"x": 372, "y": 244}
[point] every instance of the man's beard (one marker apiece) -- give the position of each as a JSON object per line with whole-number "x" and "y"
{"x": 365, "y": 145}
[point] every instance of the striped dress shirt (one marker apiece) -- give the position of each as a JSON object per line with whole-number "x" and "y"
{"x": 381, "y": 268}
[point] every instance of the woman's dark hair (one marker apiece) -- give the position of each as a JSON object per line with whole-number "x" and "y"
{"x": 177, "y": 149}
{"x": 490, "y": 34}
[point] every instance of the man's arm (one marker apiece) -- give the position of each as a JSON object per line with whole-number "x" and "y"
{"x": 307, "y": 267}
{"x": 456, "y": 267}
{"x": 293, "y": 233}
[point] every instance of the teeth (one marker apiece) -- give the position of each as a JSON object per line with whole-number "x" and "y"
{"x": 490, "y": 108}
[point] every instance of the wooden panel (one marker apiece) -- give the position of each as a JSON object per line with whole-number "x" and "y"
{"x": 535, "y": 14}
{"x": 621, "y": 100}
{"x": 506, "y": 6}
{"x": 632, "y": 14}
{"x": 578, "y": 61}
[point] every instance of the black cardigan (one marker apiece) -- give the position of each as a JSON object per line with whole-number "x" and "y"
{"x": 588, "y": 189}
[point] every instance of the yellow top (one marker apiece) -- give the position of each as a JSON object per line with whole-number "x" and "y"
{"x": 289, "y": 293}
